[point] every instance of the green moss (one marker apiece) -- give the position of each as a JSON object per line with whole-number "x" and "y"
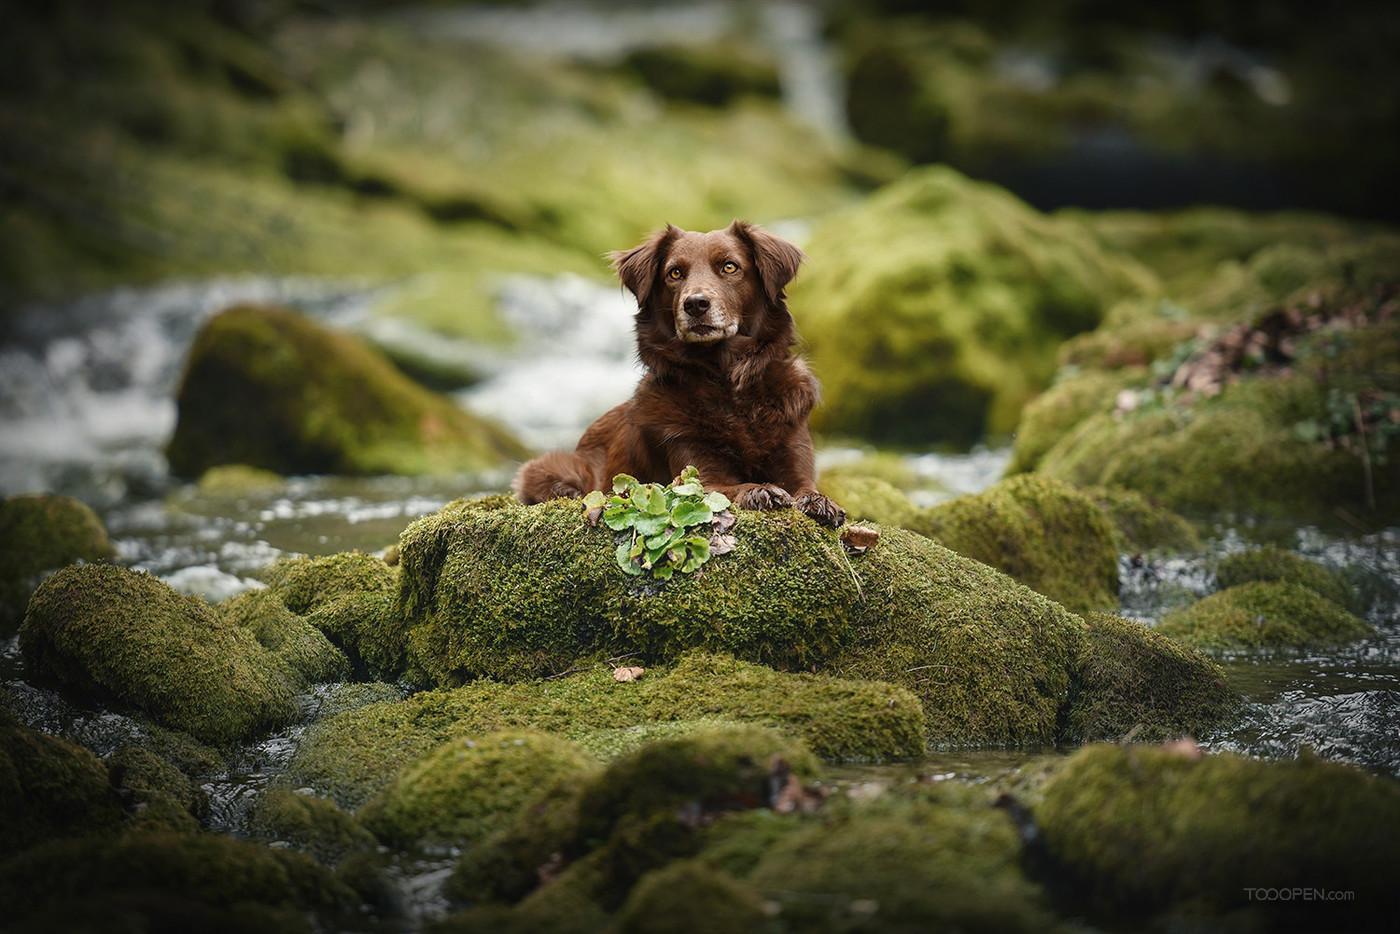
{"x": 327, "y": 403}
{"x": 353, "y": 756}
{"x": 471, "y": 786}
{"x": 896, "y": 864}
{"x": 933, "y": 308}
{"x": 51, "y": 788}
{"x": 1047, "y": 535}
{"x": 310, "y": 824}
{"x": 239, "y": 480}
{"x": 1135, "y": 343}
{"x": 511, "y": 592}
{"x": 303, "y": 648}
{"x": 871, "y": 499}
{"x": 349, "y": 597}
{"x": 1142, "y": 525}
{"x": 171, "y": 799}
{"x": 41, "y": 532}
{"x": 1145, "y": 831}
{"x": 1133, "y": 681}
{"x": 1263, "y": 615}
{"x": 689, "y": 897}
{"x": 1276, "y": 564}
{"x": 128, "y": 636}
{"x": 639, "y": 813}
{"x": 174, "y": 878}
{"x": 1049, "y": 416}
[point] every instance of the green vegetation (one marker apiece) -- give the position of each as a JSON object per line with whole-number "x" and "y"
{"x": 305, "y": 650}
{"x": 932, "y": 308}
{"x": 310, "y": 824}
{"x": 1263, "y": 615}
{"x": 327, "y": 403}
{"x": 1132, "y": 681}
{"x": 1044, "y": 533}
{"x": 42, "y": 532}
{"x": 125, "y": 635}
{"x": 1276, "y": 564}
{"x": 51, "y": 788}
{"x": 471, "y": 786}
{"x": 665, "y": 527}
{"x": 1146, "y": 831}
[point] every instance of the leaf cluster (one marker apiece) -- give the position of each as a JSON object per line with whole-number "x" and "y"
{"x": 663, "y": 529}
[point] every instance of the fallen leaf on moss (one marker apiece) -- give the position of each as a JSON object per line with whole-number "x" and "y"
{"x": 627, "y": 674}
{"x": 859, "y": 538}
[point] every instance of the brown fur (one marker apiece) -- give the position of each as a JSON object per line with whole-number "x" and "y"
{"x": 723, "y": 389}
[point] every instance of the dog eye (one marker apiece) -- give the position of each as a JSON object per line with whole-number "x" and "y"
{"x": 730, "y": 267}
{"x": 675, "y": 273}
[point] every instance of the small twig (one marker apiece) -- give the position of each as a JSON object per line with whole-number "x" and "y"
{"x": 944, "y": 667}
{"x": 570, "y": 671}
{"x": 608, "y": 662}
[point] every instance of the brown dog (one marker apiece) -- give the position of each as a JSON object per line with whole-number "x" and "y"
{"x": 723, "y": 389}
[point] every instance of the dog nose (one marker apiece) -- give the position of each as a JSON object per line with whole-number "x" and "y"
{"x": 697, "y": 304}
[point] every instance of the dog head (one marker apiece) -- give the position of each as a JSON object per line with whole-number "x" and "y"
{"x": 708, "y": 288}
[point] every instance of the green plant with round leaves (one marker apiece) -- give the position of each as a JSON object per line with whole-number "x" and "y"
{"x": 663, "y": 529}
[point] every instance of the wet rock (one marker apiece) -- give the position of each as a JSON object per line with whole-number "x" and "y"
{"x": 1132, "y": 681}
{"x": 354, "y": 756}
{"x": 42, "y": 532}
{"x": 127, "y": 636}
{"x": 1145, "y": 831}
{"x": 270, "y": 389}
{"x": 1263, "y": 615}
{"x": 471, "y": 786}
{"x": 1046, "y": 534}
{"x": 310, "y": 824}
{"x": 51, "y": 788}
{"x": 933, "y": 309}
{"x": 491, "y": 588}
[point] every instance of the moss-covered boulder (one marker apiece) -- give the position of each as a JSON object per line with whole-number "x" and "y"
{"x": 946, "y": 861}
{"x": 162, "y": 795}
{"x": 128, "y": 636}
{"x": 304, "y": 649}
{"x": 42, "y": 532}
{"x": 310, "y": 824}
{"x": 471, "y": 786}
{"x": 639, "y": 813}
{"x": 269, "y": 388}
{"x": 1133, "y": 681}
{"x": 934, "y": 307}
{"x": 162, "y": 881}
{"x": 690, "y": 897}
{"x": 493, "y": 588}
{"x": 1144, "y": 831}
{"x": 871, "y": 499}
{"x": 51, "y": 788}
{"x": 353, "y": 756}
{"x": 1140, "y": 524}
{"x": 351, "y": 598}
{"x": 1046, "y": 534}
{"x": 1263, "y": 615}
{"x": 1270, "y": 563}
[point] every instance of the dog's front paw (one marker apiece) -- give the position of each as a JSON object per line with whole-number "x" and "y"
{"x": 822, "y": 508}
{"x": 763, "y": 496}
{"x": 565, "y": 489}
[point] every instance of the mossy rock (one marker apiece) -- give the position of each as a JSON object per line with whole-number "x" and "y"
{"x": 1046, "y": 534}
{"x": 353, "y": 756}
{"x": 1134, "y": 681}
{"x": 1058, "y": 410}
{"x": 471, "y": 786}
{"x": 351, "y": 598}
{"x": 639, "y": 813}
{"x": 325, "y": 402}
{"x": 1144, "y": 831}
{"x": 946, "y": 862}
{"x": 871, "y": 499}
{"x": 310, "y": 824}
{"x": 167, "y": 881}
{"x": 1263, "y": 615}
{"x": 164, "y": 797}
{"x": 237, "y": 480}
{"x": 126, "y": 635}
{"x": 492, "y": 588}
{"x": 1141, "y": 525}
{"x": 42, "y": 532}
{"x": 304, "y": 649}
{"x": 1277, "y": 564}
{"x": 933, "y": 308}
{"x": 51, "y": 788}
{"x": 690, "y": 897}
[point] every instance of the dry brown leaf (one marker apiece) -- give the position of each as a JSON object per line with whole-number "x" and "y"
{"x": 627, "y": 674}
{"x": 858, "y": 538}
{"x": 594, "y": 515}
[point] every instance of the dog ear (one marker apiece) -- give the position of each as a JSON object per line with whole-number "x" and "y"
{"x": 777, "y": 260}
{"x": 637, "y": 267}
